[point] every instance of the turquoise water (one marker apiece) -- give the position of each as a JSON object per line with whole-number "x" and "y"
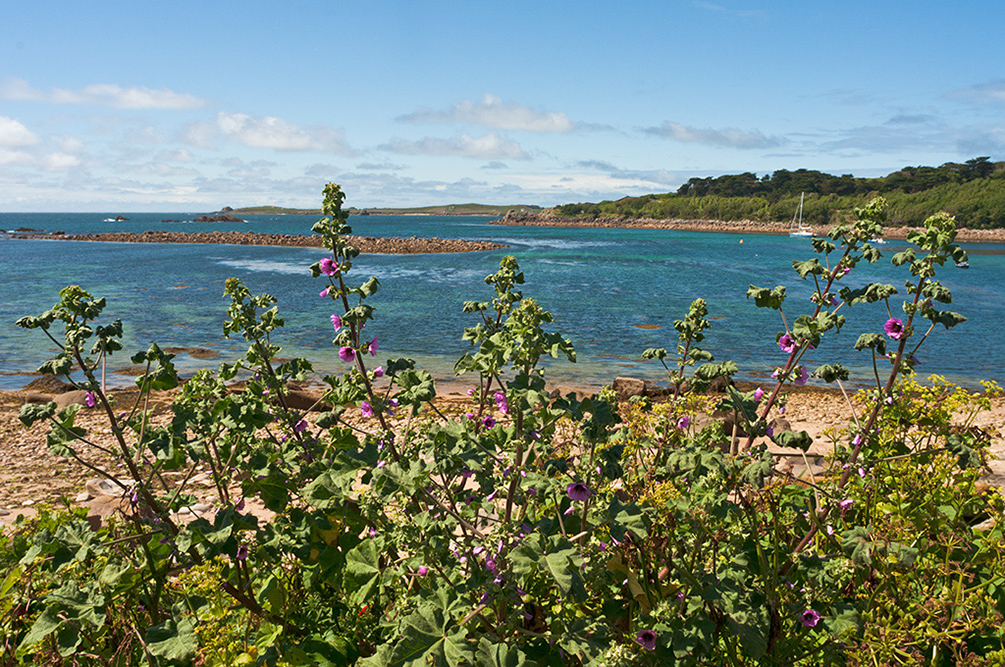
{"x": 601, "y": 285}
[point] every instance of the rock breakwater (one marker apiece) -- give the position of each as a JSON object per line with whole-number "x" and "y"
{"x": 366, "y": 244}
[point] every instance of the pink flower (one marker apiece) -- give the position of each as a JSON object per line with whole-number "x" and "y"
{"x": 324, "y": 292}
{"x": 336, "y": 321}
{"x": 646, "y": 639}
{"x": 366, "y": 409}
{"x": 378, "y": 372}
{"x": 804, "y": 375}
{"x": 300, "y": 426}
{"x": 578, "y": 491}
{"x": 894, "y": 328}
{"x": 89, "y": 399}
{"x": 787, "y": 343}
{"x": 758, "y": 394}
{"x": 423, "y": 570}
{"x": 683, "y": 422}
{"x": 488, "y": 422}
{"x": 373, "y": 347}
{"x": 328, "y": 266}
{"x": 346, "y": 353}
{"x": 810, "y": 618}
{"x": 501, "y": 402}
{"x": 845, "y": 504}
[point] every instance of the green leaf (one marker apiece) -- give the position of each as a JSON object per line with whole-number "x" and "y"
{"x": 765, "y": 298}
{"x": 757, "y": 470}
{"x": 498, "y": 655}
{"x": 871, "y": 341}
{"x": 172, "y": 640}
{"x": 967, "y": 456}
{"x": 33, "y": 412}
{"x": 625, "y": 519}
{"x": 362, "y": 572}
{"x": 856, "y": 545}
{"x": 831, "y": 372}
{"x": 428, "y": 637}
{"x": 800, "y": 440}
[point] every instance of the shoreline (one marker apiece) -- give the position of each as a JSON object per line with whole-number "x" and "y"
{"x": 550, "y": 219}
{"x": 365, "y": 244}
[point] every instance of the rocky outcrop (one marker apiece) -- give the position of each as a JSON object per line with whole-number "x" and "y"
{"x": 365, "y": 244}
{"x": 217, "y": 218}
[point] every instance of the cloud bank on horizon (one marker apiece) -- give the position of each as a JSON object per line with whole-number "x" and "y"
{"x": 128, "y": 108}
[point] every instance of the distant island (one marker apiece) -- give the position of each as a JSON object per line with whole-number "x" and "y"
{"x": 973, "y": 192}
{"x": 487, "y": 210}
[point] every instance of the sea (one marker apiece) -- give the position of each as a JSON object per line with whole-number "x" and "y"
{"x": 612, "y": 292}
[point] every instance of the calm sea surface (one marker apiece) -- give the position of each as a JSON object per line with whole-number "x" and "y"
{"x": 613, "y": 292}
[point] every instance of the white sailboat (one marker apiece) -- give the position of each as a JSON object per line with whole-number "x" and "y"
{"x": 797, "y": 228}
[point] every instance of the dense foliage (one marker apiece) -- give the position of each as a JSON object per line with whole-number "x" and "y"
{"x": 531, "y": 530}
{"x": 972, "y": 192}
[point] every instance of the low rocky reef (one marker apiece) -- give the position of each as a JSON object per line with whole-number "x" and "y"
{"x": 365, "y": 244}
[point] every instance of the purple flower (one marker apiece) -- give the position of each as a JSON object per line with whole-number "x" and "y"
{"x": 683, "y": 422}
{"x": 845, "y": 504}
{"x": 346, "y": 353}
{"x": 380, "y": 464}
{"x": 366, "y": 409}
{"x": 328, "y": 266}
{"x": 771, "y": 431}
{"x": 89, "y": 399}
{"x": 378, "y": 372}
{"x": 373, "y": 347}
{"x": 323, "y": 293}
{"x": 894, "y": 328}
{"x": 758, "y": 394}
{"x": 488, "y": 422}
{"x": 300, "y": 426}
{"x": 336, "y": 321}
{"x": 804, "y": 375}
{"x": 501, "y": 402}
{"x": 240, "y": 505}
{"x": 846, "y": 270}
{"x": 242, "y": 552}
{"x": 578, "y": 491}
{"x": 646, "y": 639}
{"x": 787, "y": 343}
{"x": 423, "y": 570}
{"x": 810, "y": 618}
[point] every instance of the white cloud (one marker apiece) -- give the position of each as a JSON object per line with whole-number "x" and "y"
{"x": 494, "y": 113}
{"x": 272, "y": 132}
{"x": 59, "y": 161}
{"x": 992, "y": 92}
{"x": 13, "y": 134}
{"x": 727, "y": 138}
{"x": 488, "y": 147}
{"x": 199, "y": 134}
{"x": 103, "y": 94}
{"x": 738, "y": 13}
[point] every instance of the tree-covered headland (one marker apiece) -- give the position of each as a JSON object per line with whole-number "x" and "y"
{"x": 973, "y": 192}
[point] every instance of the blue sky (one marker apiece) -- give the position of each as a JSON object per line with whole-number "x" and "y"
{"x": 191, "y": 106}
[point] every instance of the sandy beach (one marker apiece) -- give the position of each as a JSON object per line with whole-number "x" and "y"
{"x": 31, "y": 475}
{"x": 548, "y": 218}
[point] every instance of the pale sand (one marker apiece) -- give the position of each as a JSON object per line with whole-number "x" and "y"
{"x": 29, "y": 472}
